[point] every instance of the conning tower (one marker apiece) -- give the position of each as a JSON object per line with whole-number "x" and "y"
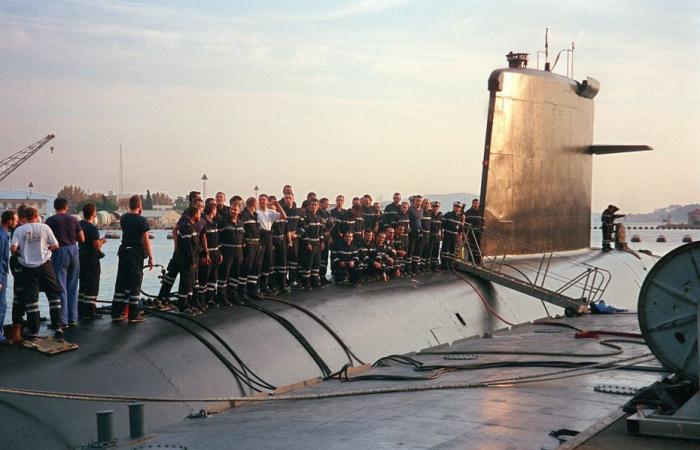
{"x": 537, "y": 167}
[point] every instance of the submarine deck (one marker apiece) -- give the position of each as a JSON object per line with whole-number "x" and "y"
{"x": 513, "y": 415}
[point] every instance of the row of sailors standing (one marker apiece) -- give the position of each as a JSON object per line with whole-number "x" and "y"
{"x": 227, "y": 253}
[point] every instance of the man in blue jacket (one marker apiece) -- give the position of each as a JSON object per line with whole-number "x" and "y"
{"x": 9, "y": 221}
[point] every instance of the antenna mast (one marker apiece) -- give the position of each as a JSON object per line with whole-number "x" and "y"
{"x": 121, "y": 171}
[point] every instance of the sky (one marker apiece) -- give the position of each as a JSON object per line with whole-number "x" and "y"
{"x": 351, "y": 97}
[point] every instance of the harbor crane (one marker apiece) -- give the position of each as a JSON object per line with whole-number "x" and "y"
{"x": 12, "y": 162}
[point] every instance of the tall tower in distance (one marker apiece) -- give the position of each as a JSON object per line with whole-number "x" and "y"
{"x": 204, "y": 186}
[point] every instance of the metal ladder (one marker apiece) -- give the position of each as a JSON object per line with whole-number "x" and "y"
{"x": 573, "y": 293}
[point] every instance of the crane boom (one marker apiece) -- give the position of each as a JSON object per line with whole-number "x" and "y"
{"x": 11, "y": 163}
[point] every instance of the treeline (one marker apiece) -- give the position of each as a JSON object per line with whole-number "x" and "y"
{"x": 77, "y": 197}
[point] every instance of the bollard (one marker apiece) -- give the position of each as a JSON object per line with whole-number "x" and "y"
{"x": 136, "y": 421}
{"x": 105, "y": 426}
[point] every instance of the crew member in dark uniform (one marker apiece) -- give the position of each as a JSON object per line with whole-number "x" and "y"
{"x": 209, "y": 264}
{"x": 452, "y": 228}
{"x": 435, "y": 234}
{"x": 338, "y": 216}
{"x": 473, "y": 232}
{"x": 311, "y": 230}
{"x": 89, "y": 252}
{"x": 345, "y": 261}
{"x": 292, "y": 260}
{"x": 608, "y": 225}
{"x": 357, "y": 222}
{"x": 424, "y": 257}
{"x": 187, "y": 256}
{"x": 415, "y": 216}
{"x": 279, "y": 246}
{"x": 390, "y": 211}
{"x": 370, "y": 214}
{"x": 251, "y": 251}
{"x": 325, "y": 214}
{"x": 231, "y": 235}
{"x": 401, "y": 247}
{"x": 168, "y": 277}
{"x": 135, "y": 247}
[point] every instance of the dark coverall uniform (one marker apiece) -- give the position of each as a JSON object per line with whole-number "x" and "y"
{"x": 475, "y": 223}
{"x": 208, "y": 272}
{"x": 292, "y": 261}
{"x": 370, "y": 215}
{"x": 415, "y": 217}
{"x": 424, "y": 240}
{"x": 435, "y": 238}
{"x": 356, "y": 225}
{"x": 187, "y": 255}
{"x": 376, "y": 253}
{"x": 345, "y": 253}
{"x": 231, "y": 235}
{"x": 326, "y": 239}
{"x": 127, "y": 287}
{"x": 389, "y": 216}
{"x": 279, "y": 244}
{"x": 89, "y": 272}
{"x": 608, "y": 225}
{"x": 401, "y": 243}
{"x": 251, "y": 254}
{"x": 451, "y": 228}
{"x": 311, "y": 228}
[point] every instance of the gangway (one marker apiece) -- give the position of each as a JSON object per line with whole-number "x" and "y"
{"x": 572, "y": 292}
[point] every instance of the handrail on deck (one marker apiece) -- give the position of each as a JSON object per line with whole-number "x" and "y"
{"x": 588, "y": 285}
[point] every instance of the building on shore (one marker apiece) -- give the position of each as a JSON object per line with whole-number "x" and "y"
{"x": 11, "y": 199}
{"x": 694, "y": 217}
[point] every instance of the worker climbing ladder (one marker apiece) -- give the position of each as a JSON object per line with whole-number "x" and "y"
{"x": 573, "y": 293}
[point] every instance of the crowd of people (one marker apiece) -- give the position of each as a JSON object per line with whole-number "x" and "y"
{"x": 239, "y": 250}
{"x": 225, "y": 252}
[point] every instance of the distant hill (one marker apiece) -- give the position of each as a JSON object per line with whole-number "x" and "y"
{"x": 679, "y": 214}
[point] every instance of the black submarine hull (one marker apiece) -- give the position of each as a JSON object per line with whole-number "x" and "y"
{"x": 158, "y": 359}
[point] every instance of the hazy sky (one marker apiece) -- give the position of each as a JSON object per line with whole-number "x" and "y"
{"x": 338, "y": 97}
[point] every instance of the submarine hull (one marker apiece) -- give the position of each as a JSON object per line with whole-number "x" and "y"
{"x": 158, "y": 359}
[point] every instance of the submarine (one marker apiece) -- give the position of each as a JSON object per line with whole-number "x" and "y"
{"x": 536, "y": 262}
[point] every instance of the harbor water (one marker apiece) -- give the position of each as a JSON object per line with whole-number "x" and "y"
{"x": 163, "y": 248}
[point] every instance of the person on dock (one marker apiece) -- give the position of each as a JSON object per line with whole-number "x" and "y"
{"x": 187, "y": 256}
{"x": 8, "y": 221}
{"x": 357, "y": 222}
{"x": 90, "y": 253}
{"x": 607, "y": 220}
{"x": 400, "y": 240}
{"x": 66, "y": 261}
{"x": 370, "y": 214}
{"x": 34, "y": 243}
{"x": 278, "y": 275}
{"x": 338, "y": 216}
{"x": 135, "y": 247}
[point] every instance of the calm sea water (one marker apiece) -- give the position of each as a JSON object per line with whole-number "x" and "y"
{"x": 163, "y": 247}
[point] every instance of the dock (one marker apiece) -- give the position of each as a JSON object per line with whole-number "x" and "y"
{"x": 518, "y": 401}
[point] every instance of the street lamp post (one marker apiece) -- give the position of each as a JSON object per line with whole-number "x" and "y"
{"x": 204, "y": 185}
{"x": 30, "y": 186}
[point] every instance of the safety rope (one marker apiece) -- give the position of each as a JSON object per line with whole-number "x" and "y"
{"x": 502, "y": 382}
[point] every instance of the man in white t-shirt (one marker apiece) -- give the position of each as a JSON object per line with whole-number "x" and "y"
{"x": 266, "y": 217}
{"x": 33, "y": 243}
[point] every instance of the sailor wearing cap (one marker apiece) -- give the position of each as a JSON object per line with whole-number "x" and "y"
{"x": 607, "y": 219}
